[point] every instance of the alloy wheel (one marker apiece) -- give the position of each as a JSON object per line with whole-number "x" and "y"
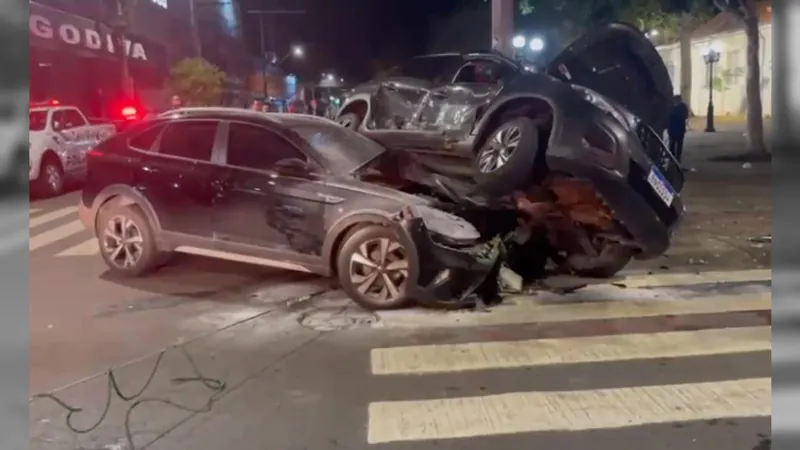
{"x": 53, "y": 178}
{"x": 498, "y": 150}
{"x": 122, "y": 242}
{"x": 379, "y": 270}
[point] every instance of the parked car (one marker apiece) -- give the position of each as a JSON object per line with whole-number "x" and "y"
{"x": 59, "y": 138}
{"x": 580, "y": 136}
{"x": 283, "y": 190}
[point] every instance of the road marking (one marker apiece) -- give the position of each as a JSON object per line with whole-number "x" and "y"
{"x": 425, "y": 359}
{"x": 688, "y": 279}
{"x": 49, "y": 217}
{"x": 597, "y": 310}
{"x": 88, "y": 248}
{"x": 56, "y": 234}
{"x": 34, "y": 210}
{"x": 527, "y": 412}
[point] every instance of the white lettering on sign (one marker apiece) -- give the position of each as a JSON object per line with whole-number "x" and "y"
{"x": 43, "y": 28}
{"x": 161, "y": 3}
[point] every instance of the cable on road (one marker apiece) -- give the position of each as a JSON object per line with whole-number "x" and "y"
{"x": 113, "y": 389}
{"x": 217, "y": 387}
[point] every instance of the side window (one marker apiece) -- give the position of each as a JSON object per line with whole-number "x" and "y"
{"x": 59, "y": 121}
{"x": 74, "y": 118}
{"x": 146, "y": 139}
{"x": 483, "y": 71}
{"x": 436, "y": 69}
{"x": 258, "y": 148}
{"x": 192, "y": 139}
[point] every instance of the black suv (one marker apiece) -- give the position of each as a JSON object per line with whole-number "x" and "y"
{"x": 580, "y": 137}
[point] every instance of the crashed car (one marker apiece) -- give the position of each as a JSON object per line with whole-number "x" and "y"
{"x": 290, "y": 191}
{"x": 577, "y": 142}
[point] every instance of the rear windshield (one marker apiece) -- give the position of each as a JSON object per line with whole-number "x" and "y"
{"x": 37, "y": 120}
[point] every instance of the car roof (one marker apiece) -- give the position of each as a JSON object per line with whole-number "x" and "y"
{"x": 224, "y": 112}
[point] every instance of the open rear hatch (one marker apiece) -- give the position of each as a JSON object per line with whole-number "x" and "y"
{"x": 618, "y": 61}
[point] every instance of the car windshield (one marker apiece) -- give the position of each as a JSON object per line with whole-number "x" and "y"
{"x": 37, "y": 120}
{"x": 343, "y": 149}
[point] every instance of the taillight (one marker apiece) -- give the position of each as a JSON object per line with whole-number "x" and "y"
{"x": 129, "y": 112}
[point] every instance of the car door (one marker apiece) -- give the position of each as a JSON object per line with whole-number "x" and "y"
{"x": 455, "y": 107}
{"x": 176, "y": 172}
{"x": 268, "y": 197}
{"x": 404, "y": 94}
{"x": 65, "y": 135}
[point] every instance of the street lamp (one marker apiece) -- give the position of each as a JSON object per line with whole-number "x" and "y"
{"x": 518, "y": 42}
{"x": 711, "y": 57}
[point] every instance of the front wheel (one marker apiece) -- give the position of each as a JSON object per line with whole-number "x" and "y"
{"x": 51, "y": 177}
{"x": 505, "y": 162}
{"x": 375, "y": 268}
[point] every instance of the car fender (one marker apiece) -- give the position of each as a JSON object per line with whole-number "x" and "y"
{"x": 337, "y": 232}
{"x": 130, "y": 196}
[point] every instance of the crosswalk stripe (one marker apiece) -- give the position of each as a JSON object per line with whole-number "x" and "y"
{"x": 686, "y": 279}
{"x": 426, "y": 359}
{"x": 567, "y": 411}
{"x": 35, "y": 210}
{"x": 49, "y": 217}
{"x": 56, "y": 234}
{"x": 596, "y": 310}
{"x": 87, "y": 248}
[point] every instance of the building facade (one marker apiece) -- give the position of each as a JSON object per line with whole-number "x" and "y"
{"x": 726, "y": 34}
{"x": 74, "y": 59}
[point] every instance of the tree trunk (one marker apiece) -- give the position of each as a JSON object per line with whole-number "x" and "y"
{"x": 755, "y": 120}
{"x": 685, "y": 38}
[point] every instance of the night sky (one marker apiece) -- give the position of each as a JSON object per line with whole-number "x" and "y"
{"x": 347, "y": 36}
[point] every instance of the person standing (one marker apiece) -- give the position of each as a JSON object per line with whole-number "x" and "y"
{"x": 676, "y": 128}
{"x": 257, "y": 105}
{"x": 175, "y": 102}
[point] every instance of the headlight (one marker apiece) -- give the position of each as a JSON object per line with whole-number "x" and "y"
{"x": 602, "y": 102}
{"x": 445, "y": 224}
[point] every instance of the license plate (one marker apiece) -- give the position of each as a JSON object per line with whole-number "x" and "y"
{"x": 661, "y": 187}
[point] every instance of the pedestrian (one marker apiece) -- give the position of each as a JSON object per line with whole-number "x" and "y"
{"x": 176, "y": 102}
{"x": 257, "y": 105}
{"x": 676, "y": 128}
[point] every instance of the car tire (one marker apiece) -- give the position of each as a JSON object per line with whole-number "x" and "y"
{"x": 50, "y": 182}
{"x": 351, "y": 121}
{"x": 370, "y": 268}
{"x": 116, "y": 224}
{"x": 612, "y": 259}
{"x": 505, "y": 161}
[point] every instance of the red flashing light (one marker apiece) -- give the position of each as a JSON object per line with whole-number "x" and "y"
{"x": 129, "y": 112}
{"x": 55, "y": 102}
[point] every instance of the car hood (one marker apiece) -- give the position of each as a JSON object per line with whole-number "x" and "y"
{"x": 619, "y": 62}
{"x": 379, "y": 190}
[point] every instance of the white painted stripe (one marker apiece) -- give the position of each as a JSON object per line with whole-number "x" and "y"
{"x": 527, "y": 412}
{"x": 51, "y": 216}
{"x": 688, "y": 279}
{"x": 425, "y": 359}
{"x": 88, "y": 248}
{"x": 532, "y": 312}
{"x": 35, "y": 210}
{"x": 56, "y": 234}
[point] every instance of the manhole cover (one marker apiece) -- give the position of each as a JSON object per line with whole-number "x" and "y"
{"x": 337, "y": 320}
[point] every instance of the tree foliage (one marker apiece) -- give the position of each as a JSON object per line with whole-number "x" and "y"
{"x": 197, "y": 82}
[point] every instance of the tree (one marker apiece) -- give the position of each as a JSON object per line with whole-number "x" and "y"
{"x": 746, "y": 11}
{"x": 197, "y": 82}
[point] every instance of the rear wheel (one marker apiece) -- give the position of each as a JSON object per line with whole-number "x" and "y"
{"x": 505, "y": 162}
{"x": 375, "y": 268}
{"x": 611, "y": 259}
{"x": 126, "y": 239}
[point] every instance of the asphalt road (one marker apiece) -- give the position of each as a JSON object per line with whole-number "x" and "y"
{"x": 83, "y": 320}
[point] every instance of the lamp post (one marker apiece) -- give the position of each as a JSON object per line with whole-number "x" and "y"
{"x": 711, "y": 57}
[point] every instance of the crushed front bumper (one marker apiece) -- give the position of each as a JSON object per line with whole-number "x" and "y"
{"x": 448, "y": 274}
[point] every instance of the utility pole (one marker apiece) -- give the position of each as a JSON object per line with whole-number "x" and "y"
{"x": 503, "y": 26}
{"x": 198, "y": 46}
{"x": 267, "y": 60}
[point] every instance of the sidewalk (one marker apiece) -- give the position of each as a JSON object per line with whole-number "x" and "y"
{"x": 727, "y": 204}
